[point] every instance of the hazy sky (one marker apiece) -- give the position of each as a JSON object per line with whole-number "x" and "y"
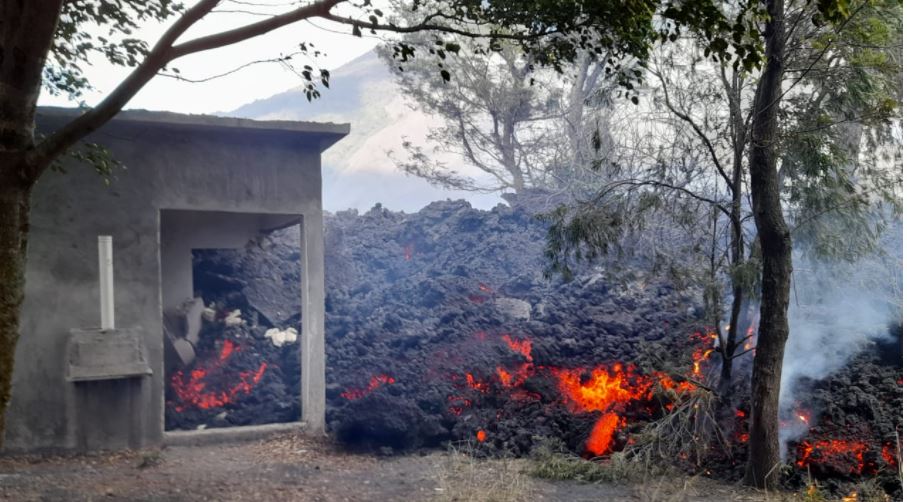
{"x": 226, "y": 93}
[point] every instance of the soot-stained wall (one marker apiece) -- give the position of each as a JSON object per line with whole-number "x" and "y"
{"x": 173, "y": 162}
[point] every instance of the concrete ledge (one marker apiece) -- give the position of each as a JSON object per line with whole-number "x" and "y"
{"x": 173, "y": 119}
{"x": 229, "y": 434}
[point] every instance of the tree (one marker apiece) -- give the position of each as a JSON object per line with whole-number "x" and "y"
{"x": 549, "y": 32}
{"x": 841, "y": 78}
{"x": 502, "y": 116}
{"x": 43, "y": 42}
{"x": 494, "y": 118}
{"x": 874, "y": 105}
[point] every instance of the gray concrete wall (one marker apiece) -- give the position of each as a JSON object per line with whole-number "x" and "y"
{"x": 169, "y": 166}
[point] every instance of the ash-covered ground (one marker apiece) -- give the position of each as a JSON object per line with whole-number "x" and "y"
{"x": 441, "y": 326}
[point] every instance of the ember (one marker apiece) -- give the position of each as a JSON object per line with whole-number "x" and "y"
{"x": 373, "y": 385}
{"x": 833, "y": 451}
{"x": 891, "y": 455}
{"x": 195, "y": 390}
{"x": 475, "y": 383}
{"x": 608, "y": 390}
{"x": 521, "y": 346}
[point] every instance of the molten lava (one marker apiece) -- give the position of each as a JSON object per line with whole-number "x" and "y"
{"x": 602, "y": 434}
{"x": 606, "y": 390}
{"x": 602, "y": 389}
{"x": 702, "y": 353}
{"x": 833, "y": 451}
{"x": 891, "y": 455}
{"x": 458, "y": 404}
{"x": 373, "y": 385}
{"x": 195, "y": 390}
{"x": 475, "y": 383}
{"x": 520, "y": 346}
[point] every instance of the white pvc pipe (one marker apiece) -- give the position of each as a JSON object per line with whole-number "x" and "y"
{"x": 105, "y": 266}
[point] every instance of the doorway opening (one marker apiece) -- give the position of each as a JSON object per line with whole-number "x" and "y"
{"x": 231, "y": 307}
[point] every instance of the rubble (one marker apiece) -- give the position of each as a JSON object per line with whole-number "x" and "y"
{"x": 234, "y": 318}
{"x": 280, "y": 337}
{"x": 517, "y": 309}
{"x": 425, "y": 314}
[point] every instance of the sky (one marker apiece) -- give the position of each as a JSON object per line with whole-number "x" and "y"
{"x": 229, "y": 92}
{"x": 260, "y": 81}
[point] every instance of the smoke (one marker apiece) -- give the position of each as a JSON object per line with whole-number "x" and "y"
{"x": 837, "y": 309}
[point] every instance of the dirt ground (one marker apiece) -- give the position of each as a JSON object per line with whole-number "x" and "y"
{"x": 289, "y": 467}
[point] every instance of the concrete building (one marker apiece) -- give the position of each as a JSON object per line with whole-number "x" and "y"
{"x": 190, "y": 182}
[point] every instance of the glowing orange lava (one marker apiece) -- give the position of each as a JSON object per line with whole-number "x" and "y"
{"x": 891, "y": 455}
{"x": 475, "y": 383}
{"x": 606, "y": 390}
{"x": 520, "y": 346}
{"x": 458, "y": 405}
{"x": 194, "y": 391}
{"x": 602, "y": 434}
{"x": 373, "y": 385}
{"x": 833, "y": 451}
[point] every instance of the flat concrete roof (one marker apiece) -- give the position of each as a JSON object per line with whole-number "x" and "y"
{"x": 326, "y": 130}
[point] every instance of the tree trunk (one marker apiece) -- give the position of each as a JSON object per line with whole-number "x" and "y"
{"x": 774, "y": 236}
{"x": 737, "y": 255}
{"x": 508, "y": 153}
{"x": 14, "y": 207}
{"x": 26, "y": 34}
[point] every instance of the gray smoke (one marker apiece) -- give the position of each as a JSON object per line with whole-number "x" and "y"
{"x": 837, "y": 310}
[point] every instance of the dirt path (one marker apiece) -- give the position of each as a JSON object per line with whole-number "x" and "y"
{"x": 291, "y": 468}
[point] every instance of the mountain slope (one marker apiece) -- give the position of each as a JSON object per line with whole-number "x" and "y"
{"x": 358, "y": 173}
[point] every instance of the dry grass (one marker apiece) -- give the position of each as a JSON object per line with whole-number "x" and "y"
{"x": 463, "y": 477}
{"x": 551, "y": 460}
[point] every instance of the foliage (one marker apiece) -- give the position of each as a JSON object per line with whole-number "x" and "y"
{"x": 75, "y": 40}
{"x": 555, "y": 32}
{"x": 839, "y": 151}
{"x": 493, "y": 117}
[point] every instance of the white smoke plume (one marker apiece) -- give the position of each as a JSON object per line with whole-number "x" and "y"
{"x": 836, "y": 310}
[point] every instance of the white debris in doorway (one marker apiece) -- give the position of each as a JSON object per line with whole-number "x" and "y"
{"x": 234, "y": 318}
{"x": 209, "y": 314}
{"x": 279, "y": 338}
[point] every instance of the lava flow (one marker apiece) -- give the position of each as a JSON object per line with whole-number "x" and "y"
{"x": 194, "y": 391}
{"x": 840, "y": 452}
{"x": 373, "y": 385}
{"x": 607, "y": 390}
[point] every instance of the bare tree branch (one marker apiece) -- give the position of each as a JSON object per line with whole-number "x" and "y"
{"x": 699, "y": 132}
